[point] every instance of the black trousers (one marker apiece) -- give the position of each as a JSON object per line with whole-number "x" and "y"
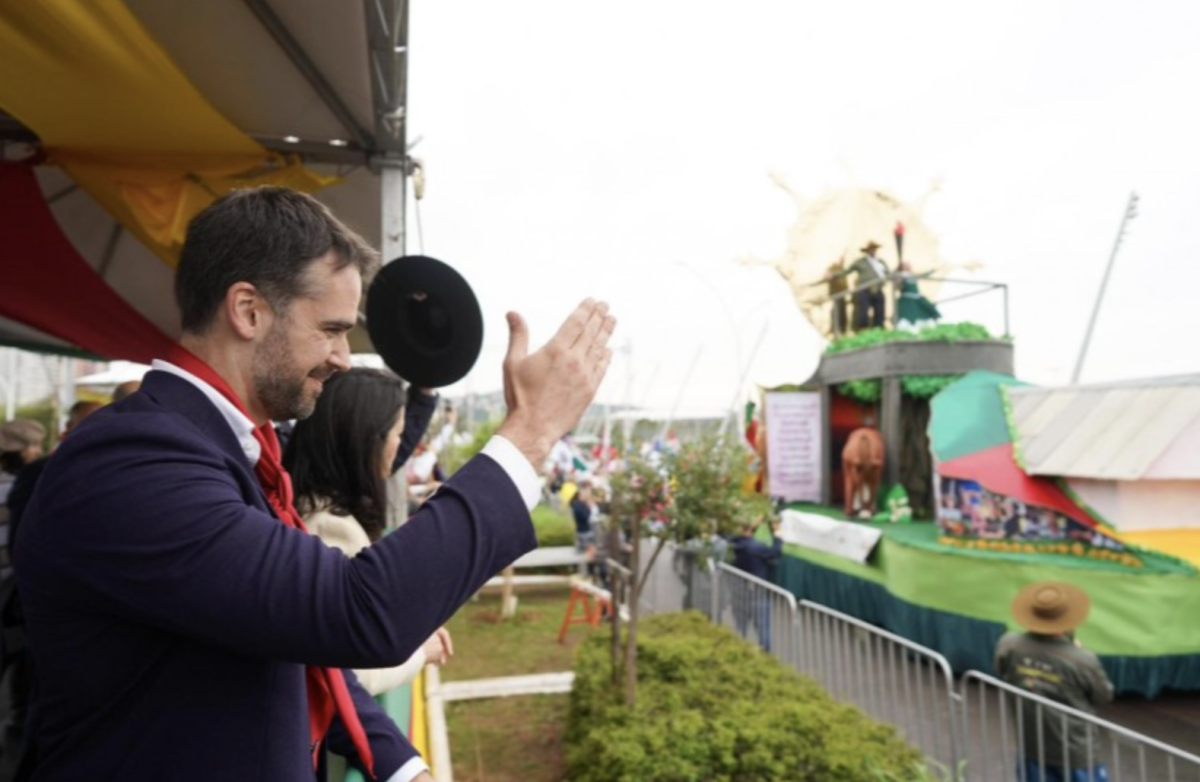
{"x": 868, "y": 308}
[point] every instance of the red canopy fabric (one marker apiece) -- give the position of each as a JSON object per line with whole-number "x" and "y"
{"x": 996, "y": 470}
{"x": 49, "y": 286}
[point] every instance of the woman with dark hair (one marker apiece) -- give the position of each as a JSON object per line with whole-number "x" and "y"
{"x": 340, "y": 458}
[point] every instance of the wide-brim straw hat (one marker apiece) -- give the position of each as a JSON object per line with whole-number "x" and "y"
{"x": 870, "y": 247}
{"x": 1051, "y": 607}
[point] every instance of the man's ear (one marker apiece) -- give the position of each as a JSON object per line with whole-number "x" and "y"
{"x": 248, "y": 313}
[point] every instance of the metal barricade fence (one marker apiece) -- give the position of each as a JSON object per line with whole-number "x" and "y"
{"x": 619, "y": 579}
{"x": 889, "y": 677}
{"x": 666, "y": 589}
{"x": 756, "y": 610}
{"x": 693, "y": 573}
{"x": 1008, "y": 728}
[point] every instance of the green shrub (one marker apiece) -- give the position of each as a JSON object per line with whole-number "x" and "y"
{"x": 712, "y": 708}
{"x": 553, "y": 528}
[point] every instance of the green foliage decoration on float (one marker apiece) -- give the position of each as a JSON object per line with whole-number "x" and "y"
{"x": 869, "y": 391}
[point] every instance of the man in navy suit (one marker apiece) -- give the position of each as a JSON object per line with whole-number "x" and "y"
{"x": 182, "y": 624}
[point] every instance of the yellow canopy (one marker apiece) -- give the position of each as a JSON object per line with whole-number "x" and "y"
{"x": 152, "y": 150}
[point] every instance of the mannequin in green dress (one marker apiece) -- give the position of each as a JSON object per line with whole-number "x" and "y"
{"x": 914, "y": 311}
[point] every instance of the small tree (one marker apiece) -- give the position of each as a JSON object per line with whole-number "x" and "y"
{"x": 640, "y": 503}
{"x": 694, "y": 495}
{"x": 708, "y": 476}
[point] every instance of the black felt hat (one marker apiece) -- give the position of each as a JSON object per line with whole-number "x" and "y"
{"x": 424, "y": 321}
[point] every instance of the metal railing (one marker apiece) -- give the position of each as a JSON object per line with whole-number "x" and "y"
{"x": 842, "y": 316}
{"x": 1025, "y": 735}
{"x": 756, "y": 610}
{"x": 982, "y": 727}
{"x": 889, "y": 677}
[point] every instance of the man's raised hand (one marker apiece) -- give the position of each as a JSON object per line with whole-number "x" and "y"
{"x": 548, "y": 391}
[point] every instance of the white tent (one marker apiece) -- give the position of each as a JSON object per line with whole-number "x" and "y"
{"x": 118, "y": 372}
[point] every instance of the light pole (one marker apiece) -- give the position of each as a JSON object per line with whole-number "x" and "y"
{"x": 1130, "y": 213}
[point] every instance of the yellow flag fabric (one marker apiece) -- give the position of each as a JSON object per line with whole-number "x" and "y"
{"x": 119, "y": 116}
{"x": 419, "y": 731}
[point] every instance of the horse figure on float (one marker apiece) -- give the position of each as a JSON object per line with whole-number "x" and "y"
{"x": 862, "y": 470}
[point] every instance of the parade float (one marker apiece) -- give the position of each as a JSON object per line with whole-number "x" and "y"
{"x": 1009, "y": 484}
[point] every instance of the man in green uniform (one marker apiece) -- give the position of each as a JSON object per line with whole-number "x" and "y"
{"x": 1047, "y": 661}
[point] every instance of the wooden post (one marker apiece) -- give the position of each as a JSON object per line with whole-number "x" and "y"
{"x": 826, "y": 444}
{"x": 890, "y": 429}
{"x": 508, "y": 601}
{"x": 618, "y": 596}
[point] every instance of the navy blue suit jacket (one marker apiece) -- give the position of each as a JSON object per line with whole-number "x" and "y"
{"x": 171, "y": 614}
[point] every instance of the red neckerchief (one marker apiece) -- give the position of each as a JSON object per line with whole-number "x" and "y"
{"x": 327, "y": 692}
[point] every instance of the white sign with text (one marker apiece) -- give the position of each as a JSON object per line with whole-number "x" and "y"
{"x": 794, "y": 423}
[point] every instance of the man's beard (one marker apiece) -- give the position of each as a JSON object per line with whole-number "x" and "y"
{"x": 278, "y": 383}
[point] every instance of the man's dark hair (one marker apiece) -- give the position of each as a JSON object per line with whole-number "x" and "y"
{"x": 266, "y": 236}
{"x": 335, "y": 455}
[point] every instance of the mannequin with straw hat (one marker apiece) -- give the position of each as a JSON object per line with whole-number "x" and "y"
{"x": 870, "y": 275}
{"x": 1046, "y": 660}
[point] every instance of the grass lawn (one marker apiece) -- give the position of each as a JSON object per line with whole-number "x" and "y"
{"x": 518, "y": 738}
{"x": 508, "y": 739}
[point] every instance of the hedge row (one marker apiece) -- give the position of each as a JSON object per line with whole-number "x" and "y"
{"x": 713, "y": 708}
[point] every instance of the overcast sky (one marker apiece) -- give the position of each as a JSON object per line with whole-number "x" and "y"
{"x": 622, "y": 149}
